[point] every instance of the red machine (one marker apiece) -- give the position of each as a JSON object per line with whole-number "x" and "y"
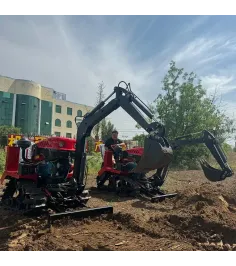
{"x": 46, "y": 180}
{"x": 109, "y": 165}
{"x": 40, "y": 153}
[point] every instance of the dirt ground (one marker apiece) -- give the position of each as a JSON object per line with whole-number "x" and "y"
{"x": 201, "y": 217}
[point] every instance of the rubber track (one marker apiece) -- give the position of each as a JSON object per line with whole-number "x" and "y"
{"x": 37, "y": 196}
{"x": 34, "y": 194}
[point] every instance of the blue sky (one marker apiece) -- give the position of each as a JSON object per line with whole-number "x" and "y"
{"x": 73, "y": 54}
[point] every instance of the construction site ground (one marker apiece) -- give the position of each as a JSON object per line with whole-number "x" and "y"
{"x": 201, "y": 217}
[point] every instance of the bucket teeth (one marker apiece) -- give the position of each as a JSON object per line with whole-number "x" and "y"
{"x": 211, "y": 173}
{"x": 154, "y": 156}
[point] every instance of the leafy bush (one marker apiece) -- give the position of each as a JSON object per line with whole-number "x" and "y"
{"x": 2, "y": 160}
{"x": 4, "y": 131}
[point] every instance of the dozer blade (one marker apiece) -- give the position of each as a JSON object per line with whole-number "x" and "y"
{"x": 84, "y": 213}
{"x": 211, "y": 173}
{"x": 155, "y": 156}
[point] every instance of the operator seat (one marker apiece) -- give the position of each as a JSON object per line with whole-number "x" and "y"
{"x": 102, "y": 151}
{"x": 127, "y": 166}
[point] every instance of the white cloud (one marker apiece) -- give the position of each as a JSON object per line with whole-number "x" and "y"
{"x": 143, "y": 33}
{"x": 199, "y": 21}
{"x": 221, "y": 84}
{"x": 196, "y": 49}
{"x": 73, "y": 57}
{"x": 70, "y": 60}
{"x": 203, "y": 53}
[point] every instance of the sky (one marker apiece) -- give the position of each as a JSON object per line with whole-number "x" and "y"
{"x": 73, "y": 54}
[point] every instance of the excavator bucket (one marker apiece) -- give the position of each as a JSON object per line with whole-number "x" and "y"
{"x": 211, "y": 173}
{"x": 155, "y": 155}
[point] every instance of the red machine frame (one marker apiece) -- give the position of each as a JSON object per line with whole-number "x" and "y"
{"x": 12, "y": 165}
{"x": 52, "y": 143}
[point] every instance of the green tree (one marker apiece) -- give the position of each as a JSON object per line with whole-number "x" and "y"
{"x": 185, "y": 108}
{"x": 227, "y": 148}
{"x": 4, "y": 131}
{"x": 106, "y": 129}
{"x": 91, "y": 144}
{"x": 140, "y": 139}
{"x": 100, "y": 98}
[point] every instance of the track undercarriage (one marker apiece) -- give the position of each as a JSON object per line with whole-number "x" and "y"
{"x": 26, "y": 197}
{"x": 131, "y": 186}
{"x": 23, "y": 196}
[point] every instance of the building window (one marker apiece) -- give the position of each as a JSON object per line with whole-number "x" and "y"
{"x": 79, "y": 113}
{"x": 57, "y": 122}
{"x": 6, "y": 108}
{"x": 69, "y": 124}
{"x": 69, "y": 111}
{"x": 58, "y": 134}
{"x": 58, "y": 109}
{"x": 68, "y": 135}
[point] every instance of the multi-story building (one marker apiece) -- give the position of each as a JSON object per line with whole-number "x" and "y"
{"x": 37, "y": 109}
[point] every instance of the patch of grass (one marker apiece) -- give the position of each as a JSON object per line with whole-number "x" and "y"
{"x": 2, "y": 160}
{"x": 94, "y": 162}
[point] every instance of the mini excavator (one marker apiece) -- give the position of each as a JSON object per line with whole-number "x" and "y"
{"x": 54, "y": 178}
{"x": 156, "y": 155}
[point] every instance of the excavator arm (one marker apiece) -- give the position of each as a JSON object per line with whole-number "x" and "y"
{"x": 128, "y": 101}
{"x": 213, "y": 145}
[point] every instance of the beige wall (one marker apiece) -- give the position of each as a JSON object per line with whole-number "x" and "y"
{"x": 64, "y": 117}
{"x": 18, "y": 86}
